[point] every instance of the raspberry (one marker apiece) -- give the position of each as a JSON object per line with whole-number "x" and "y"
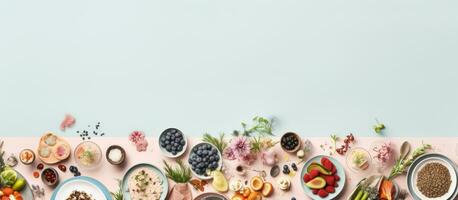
{"x": 330, "y": 189}
{"x": 315, "y": 191}
{"x": 334, "y": 170}
{"x": 337, "y": 177}
{"x": 322, "y": 193}
{"x": 314, "y": 173}
{"x": 329, "y": 180}
{"x": 307, "y": 178}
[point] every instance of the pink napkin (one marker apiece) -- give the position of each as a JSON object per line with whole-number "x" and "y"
{"x": 180, "y": 191}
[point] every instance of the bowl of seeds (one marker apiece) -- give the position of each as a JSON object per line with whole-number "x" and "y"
{"x": 433, "y": 177}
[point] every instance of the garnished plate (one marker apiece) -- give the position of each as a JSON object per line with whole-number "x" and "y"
{"x": 148, "y": 168}
{"x": 84, "y": 184}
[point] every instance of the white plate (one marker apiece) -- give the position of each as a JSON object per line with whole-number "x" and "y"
{"x": 422, "y": 164}
{"x": 85, "y": 184}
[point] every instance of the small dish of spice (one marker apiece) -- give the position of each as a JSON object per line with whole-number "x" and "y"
{"x": 50, "y": 177}
{"x": 115, "y": 155}
{"x": 27, "y": 156}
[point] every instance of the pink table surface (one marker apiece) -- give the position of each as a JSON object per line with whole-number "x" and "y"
{"x": 107, "y": 173}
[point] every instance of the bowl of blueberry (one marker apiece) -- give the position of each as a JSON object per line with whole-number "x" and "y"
{"x": 290, "y": 142}
{"x": 172, "y": 143}
{"x": 204, "y": 158}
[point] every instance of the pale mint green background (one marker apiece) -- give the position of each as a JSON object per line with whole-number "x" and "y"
{"x": 321, "y": 67}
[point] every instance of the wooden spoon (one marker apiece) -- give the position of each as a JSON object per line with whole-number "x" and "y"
{"x": 405, "y": 150}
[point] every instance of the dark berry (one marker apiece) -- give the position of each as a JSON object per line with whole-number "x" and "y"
{"x": 62, "y": 168}
{"x": 294, "y": 166}
{"x": 40, "y": 166}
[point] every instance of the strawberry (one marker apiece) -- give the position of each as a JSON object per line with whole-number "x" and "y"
{"x": 322, "y": 193}
{"x": 314, "y": 173}
{"x": 307, "y": 178}
{"x": 315, "y": 191}
{"x": 336, "y": 177}
{"x": 329, "y": 180}
{"x": 330, "y": 189}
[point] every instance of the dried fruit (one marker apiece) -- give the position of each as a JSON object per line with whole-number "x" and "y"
{"x": 62, "y": 168}
{"x": 40, "y": 166}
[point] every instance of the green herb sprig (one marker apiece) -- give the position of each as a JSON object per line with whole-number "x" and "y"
{"x": 219, "y": 142}
{"x": 118, "y": 194}
{"x": 402, "y": 165}
{"x": 261, "y": 126}
{"x": 180, "y": 174}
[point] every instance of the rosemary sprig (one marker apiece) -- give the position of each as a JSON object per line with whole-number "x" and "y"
{"x": 180, "y": 174}
{"x": 118, "y": 194}
{"x": 219, "y": 143}
{"x": 402, "y": 165}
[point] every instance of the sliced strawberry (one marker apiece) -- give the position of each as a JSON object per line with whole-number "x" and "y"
{"x": 328, "y": 165}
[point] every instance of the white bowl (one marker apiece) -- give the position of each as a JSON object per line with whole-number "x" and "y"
{"x": 168, "y": 154}
{"x": 220, "y": 162}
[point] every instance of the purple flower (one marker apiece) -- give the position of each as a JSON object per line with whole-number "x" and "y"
{"x": 228, "y": 154}
{"x": 240, "y": 147}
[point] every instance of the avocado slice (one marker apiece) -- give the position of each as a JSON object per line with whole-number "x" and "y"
{"x": 318, "y": 167}
{"x": 316, "y": 183}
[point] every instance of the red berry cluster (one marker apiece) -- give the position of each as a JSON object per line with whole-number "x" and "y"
{"x": 344, "y": 148}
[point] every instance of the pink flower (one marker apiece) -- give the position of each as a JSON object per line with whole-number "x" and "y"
{"x": 228, "y": 154}
{"x": 142, "y": 145}
{"x": 241, "y": 146}
{"x": 248, "y": 159}
{"x": 68, "y": 122}
{"x": 136, "y": 136}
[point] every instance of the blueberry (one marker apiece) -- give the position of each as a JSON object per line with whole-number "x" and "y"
{"x": 294, "y": 166}
{"x": 167, "y": 137}
{"x": 285, "y": 167}
{"x": 179, "y": 148}
{"x": 73, "y": 169}
{"x": 162, "y": 139}
{"x": 294, "y": 198}
{"x": 167, "y": 142}
{"x": 172, "y": 130}
{"x": 163, "y": 145}
{"x": 182, "y": 142}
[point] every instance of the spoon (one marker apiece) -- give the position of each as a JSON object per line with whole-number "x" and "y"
{"x": 405, "y": 150}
